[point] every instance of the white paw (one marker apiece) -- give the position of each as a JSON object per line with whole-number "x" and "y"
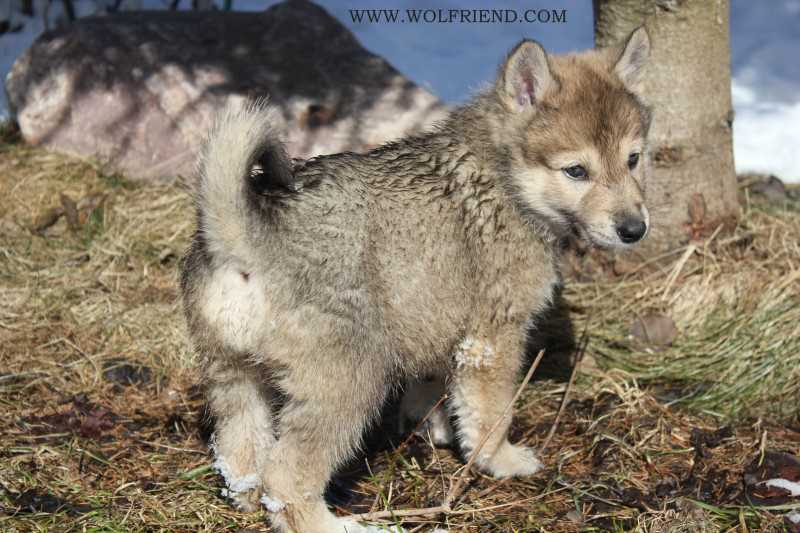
{"x": 441, "y": 432}
{"x": 272, "y": 505}
{"x": 512, "y": 461}
{"x": 242, "y": 491}
{"x": 243, "y": 501}
{"x": 438, "y": 426}
{"x": 417, "y": 402}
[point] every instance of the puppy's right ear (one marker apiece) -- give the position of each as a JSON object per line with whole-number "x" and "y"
{"x": 525, "y": 77}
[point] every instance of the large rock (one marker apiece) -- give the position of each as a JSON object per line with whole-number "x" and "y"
{"x": 139, "y": 90}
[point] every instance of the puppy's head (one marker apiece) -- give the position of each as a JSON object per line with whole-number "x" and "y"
{"x": 575, "y": 132}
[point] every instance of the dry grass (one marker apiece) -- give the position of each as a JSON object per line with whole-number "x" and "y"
{"x": 81, "y": 452}
{"x": 736, "y": 303}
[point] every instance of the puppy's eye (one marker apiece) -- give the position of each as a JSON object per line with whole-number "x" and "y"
{"x": 633, "y": 160}
{"x": 576, "y": 172}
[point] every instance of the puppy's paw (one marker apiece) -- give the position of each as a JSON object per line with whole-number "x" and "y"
{"x": 246, "y": 500}
{"x": 512, "y": 461}
{"x": 241, "y": 489}
{"x": 243, "y": 492}
{"x": 440, "y": 430}
{"x": 418, "y": 401}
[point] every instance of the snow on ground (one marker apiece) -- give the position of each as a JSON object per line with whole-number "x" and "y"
{"x": 765, "y": 44}
{"x": 453, "y": 60}
{"x": 766, "y": 134}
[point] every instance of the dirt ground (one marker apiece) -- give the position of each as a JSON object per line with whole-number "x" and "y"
{"x": 103, "y": 426}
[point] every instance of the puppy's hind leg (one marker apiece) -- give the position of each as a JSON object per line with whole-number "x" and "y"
{"x": 243, "y": 434}
{"x": 327, "y": 407}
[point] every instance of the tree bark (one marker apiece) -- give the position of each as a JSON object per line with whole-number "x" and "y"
{"x": 692, "y": 187}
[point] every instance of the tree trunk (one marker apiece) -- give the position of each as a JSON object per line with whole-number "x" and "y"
{"x": 692, "y": 187}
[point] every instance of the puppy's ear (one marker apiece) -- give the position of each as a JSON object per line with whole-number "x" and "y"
{"x": 630, "y": 65}
{"x": 525, "y": 77}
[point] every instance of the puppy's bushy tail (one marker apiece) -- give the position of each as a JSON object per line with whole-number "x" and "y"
{"x": 242, "y": 156}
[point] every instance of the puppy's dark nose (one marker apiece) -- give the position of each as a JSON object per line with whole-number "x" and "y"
{"x": 631, "y": 229}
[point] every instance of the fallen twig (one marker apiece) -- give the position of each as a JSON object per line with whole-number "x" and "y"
{"x": 582, "y": 344}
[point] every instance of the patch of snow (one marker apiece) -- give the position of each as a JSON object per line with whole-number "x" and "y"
{"x": 792, "y": 486}
{"x": 766, "y": 86}
{"x": 794, "y": 517}
{"x": 766, "y": 133}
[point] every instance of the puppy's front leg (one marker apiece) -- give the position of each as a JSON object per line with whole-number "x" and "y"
{"x": 483, "y": 385}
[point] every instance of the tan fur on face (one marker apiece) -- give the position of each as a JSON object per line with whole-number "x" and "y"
{"x": 593, "y": 121}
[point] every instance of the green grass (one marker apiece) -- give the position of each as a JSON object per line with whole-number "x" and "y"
{"x": 737, "y": 309}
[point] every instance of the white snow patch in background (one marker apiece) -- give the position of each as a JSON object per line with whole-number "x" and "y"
{"x": 766, "y": 134}
{"x": 453, "y": 60}
{"x": 765, "y": 42}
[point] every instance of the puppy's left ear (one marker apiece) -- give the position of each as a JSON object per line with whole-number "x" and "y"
{"x": 525, "y": 77}
{"x": 630, "y": 65}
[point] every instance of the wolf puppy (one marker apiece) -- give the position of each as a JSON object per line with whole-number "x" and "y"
{"x": 327, "y": 282}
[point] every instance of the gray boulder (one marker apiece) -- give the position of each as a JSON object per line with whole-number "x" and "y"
{"x": 140, "y": 89}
